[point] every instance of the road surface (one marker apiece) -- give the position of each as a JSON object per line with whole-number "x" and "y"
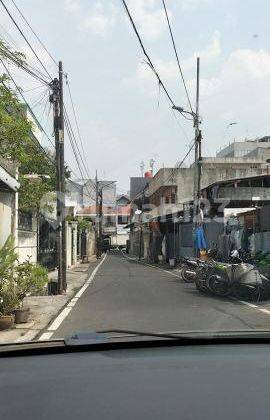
{"x": 125, "y": 294}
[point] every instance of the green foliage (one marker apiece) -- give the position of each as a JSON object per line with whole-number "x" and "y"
{"x": 8, "y": 296}
{"x": 8, "y": 300}
{"x": 84, "y": 224}
{"x": 14, "y": 132}
{"x": 8, "y": 258}
{"x": 17, "y": 281}
{"x": 30, "y": 279}
{"x": 7, "y": 54}
{"x": 18, "y": 143}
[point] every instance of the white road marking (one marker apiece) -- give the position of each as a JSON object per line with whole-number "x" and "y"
{"x": 251, "y": 305}
{"x": 45, "y": 336}
{"x": 67, "y": 309}
{"x": 153, "y": 266}
{"x": 258, "y": 308}
{"x": 59, "y": 319}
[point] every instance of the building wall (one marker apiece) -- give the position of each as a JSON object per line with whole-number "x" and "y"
{"x": 240, "y": 149}
{"x": 27, "y": 243}
{"x": 213, "y": 170}
{"x": 91, "y": 243}
{"x": 71, "y": 244}
{"x": 5, "y": 216}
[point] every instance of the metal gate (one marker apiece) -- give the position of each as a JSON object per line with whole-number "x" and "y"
{"x": 47, "y": 251}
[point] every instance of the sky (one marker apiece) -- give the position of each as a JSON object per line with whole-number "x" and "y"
{"x": 123, "y": 116}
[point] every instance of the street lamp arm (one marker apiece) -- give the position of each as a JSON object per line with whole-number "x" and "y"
{"x": 182, "y": 111}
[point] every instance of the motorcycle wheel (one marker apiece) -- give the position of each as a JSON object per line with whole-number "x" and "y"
{"x": 243, "y": 292}
{"x": 201, "y": 285}
{"x": 218, "y": 286}
{"x": 187, "y": 276}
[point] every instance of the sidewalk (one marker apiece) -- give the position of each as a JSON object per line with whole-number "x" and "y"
{"x": 43, "y": 309}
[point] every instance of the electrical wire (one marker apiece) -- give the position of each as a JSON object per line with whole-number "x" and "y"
{"x": 149, "y": 61}
{"x": 25, "y": 38}
{"x": 35, "y": 34}
{"x": 41, "y": 98}
{"x": 176, "y": 54}
{"x": 30, "y": 109}
{"x": 8, "y": 55}
{"x": 75, "y": 148}
{"x": 150, "y": 64}
{"x": 83, "y": 154}
{"x": 9, "y": 36}
{"x": 72, "y": 143}
{"x": 75, "y": 141}
{"x": 186, "y": 155}
{"x": 34, "y": 116}
{"x": 77, "y": 125}
{"x": 15, "y": 46}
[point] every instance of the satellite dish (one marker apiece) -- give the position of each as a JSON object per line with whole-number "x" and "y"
{"x": 138, "y": 212}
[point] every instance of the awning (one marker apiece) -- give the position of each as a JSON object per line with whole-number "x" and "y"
{"x": 7, "y": 180}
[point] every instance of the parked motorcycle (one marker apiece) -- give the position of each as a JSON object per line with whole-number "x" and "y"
{"x": 205, "y": 270}
{"x": 238, "y": 279}
{"x": 189, "y": 267}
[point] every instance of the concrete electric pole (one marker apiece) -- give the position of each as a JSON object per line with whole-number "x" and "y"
{"x": 56, "y": 98}
{"x": 198, "y": 157}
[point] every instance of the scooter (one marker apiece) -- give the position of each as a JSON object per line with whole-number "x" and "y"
{"x": 189, "y": 268}
{"x": 239, "y": 279}
{"x": 192, "y": 267}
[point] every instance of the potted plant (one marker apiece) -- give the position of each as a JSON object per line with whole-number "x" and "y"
{"x": 8, "y": 296}
{"x": 30, "y": 279}
{"x": 8, "y": 301}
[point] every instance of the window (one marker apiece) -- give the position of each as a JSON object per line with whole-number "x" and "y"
{"x": 122, "y": 219}
{"x": 25, "y": 221}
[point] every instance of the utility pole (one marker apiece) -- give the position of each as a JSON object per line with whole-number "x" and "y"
{"x": 197, "y": 161}
{"x": 56, "y": 98}
{"x": 100, "y": 221}
{"x": 97, "y": 217}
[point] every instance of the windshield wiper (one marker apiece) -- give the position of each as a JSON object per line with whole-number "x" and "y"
{"x": 143, "y": 333}
{"x": 79, "y": 338}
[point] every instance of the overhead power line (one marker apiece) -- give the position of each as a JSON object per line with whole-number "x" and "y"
{"x": 73, "y": 146}
{"x": 77, "y": 125}
{"x": 75, "y": 141}
{"x": 178, "y": 165}
{"x": 149, "y": 61}
{"x": 30, "y": 110}
{"x": 9, "y": 56}
{"x": 176, "y": 54}
{"x": 25, "y": 38}
{"x": 35, "y": 34}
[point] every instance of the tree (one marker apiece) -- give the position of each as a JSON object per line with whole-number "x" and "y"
{"x": 18, "y": 143}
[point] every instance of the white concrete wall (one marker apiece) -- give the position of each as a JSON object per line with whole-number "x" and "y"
{"x": 27, "y": 243}
{"x": 91, "y": 245}
{"x": 5, "y": 216}
{"x": 71, "y": 244}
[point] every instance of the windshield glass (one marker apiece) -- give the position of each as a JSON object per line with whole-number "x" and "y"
{"x": 134, "y": 167}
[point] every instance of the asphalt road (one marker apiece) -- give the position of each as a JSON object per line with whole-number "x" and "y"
{"x": 127, "y": 295}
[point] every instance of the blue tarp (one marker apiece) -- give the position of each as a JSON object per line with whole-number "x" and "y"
{"x": 200, "y": 238}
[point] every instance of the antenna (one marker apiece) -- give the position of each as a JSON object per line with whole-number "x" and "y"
{"x": 151, "y": 164}
{"x": 142, "y": 166}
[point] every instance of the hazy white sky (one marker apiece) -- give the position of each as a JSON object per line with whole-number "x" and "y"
{"x": 122, "y": 116}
